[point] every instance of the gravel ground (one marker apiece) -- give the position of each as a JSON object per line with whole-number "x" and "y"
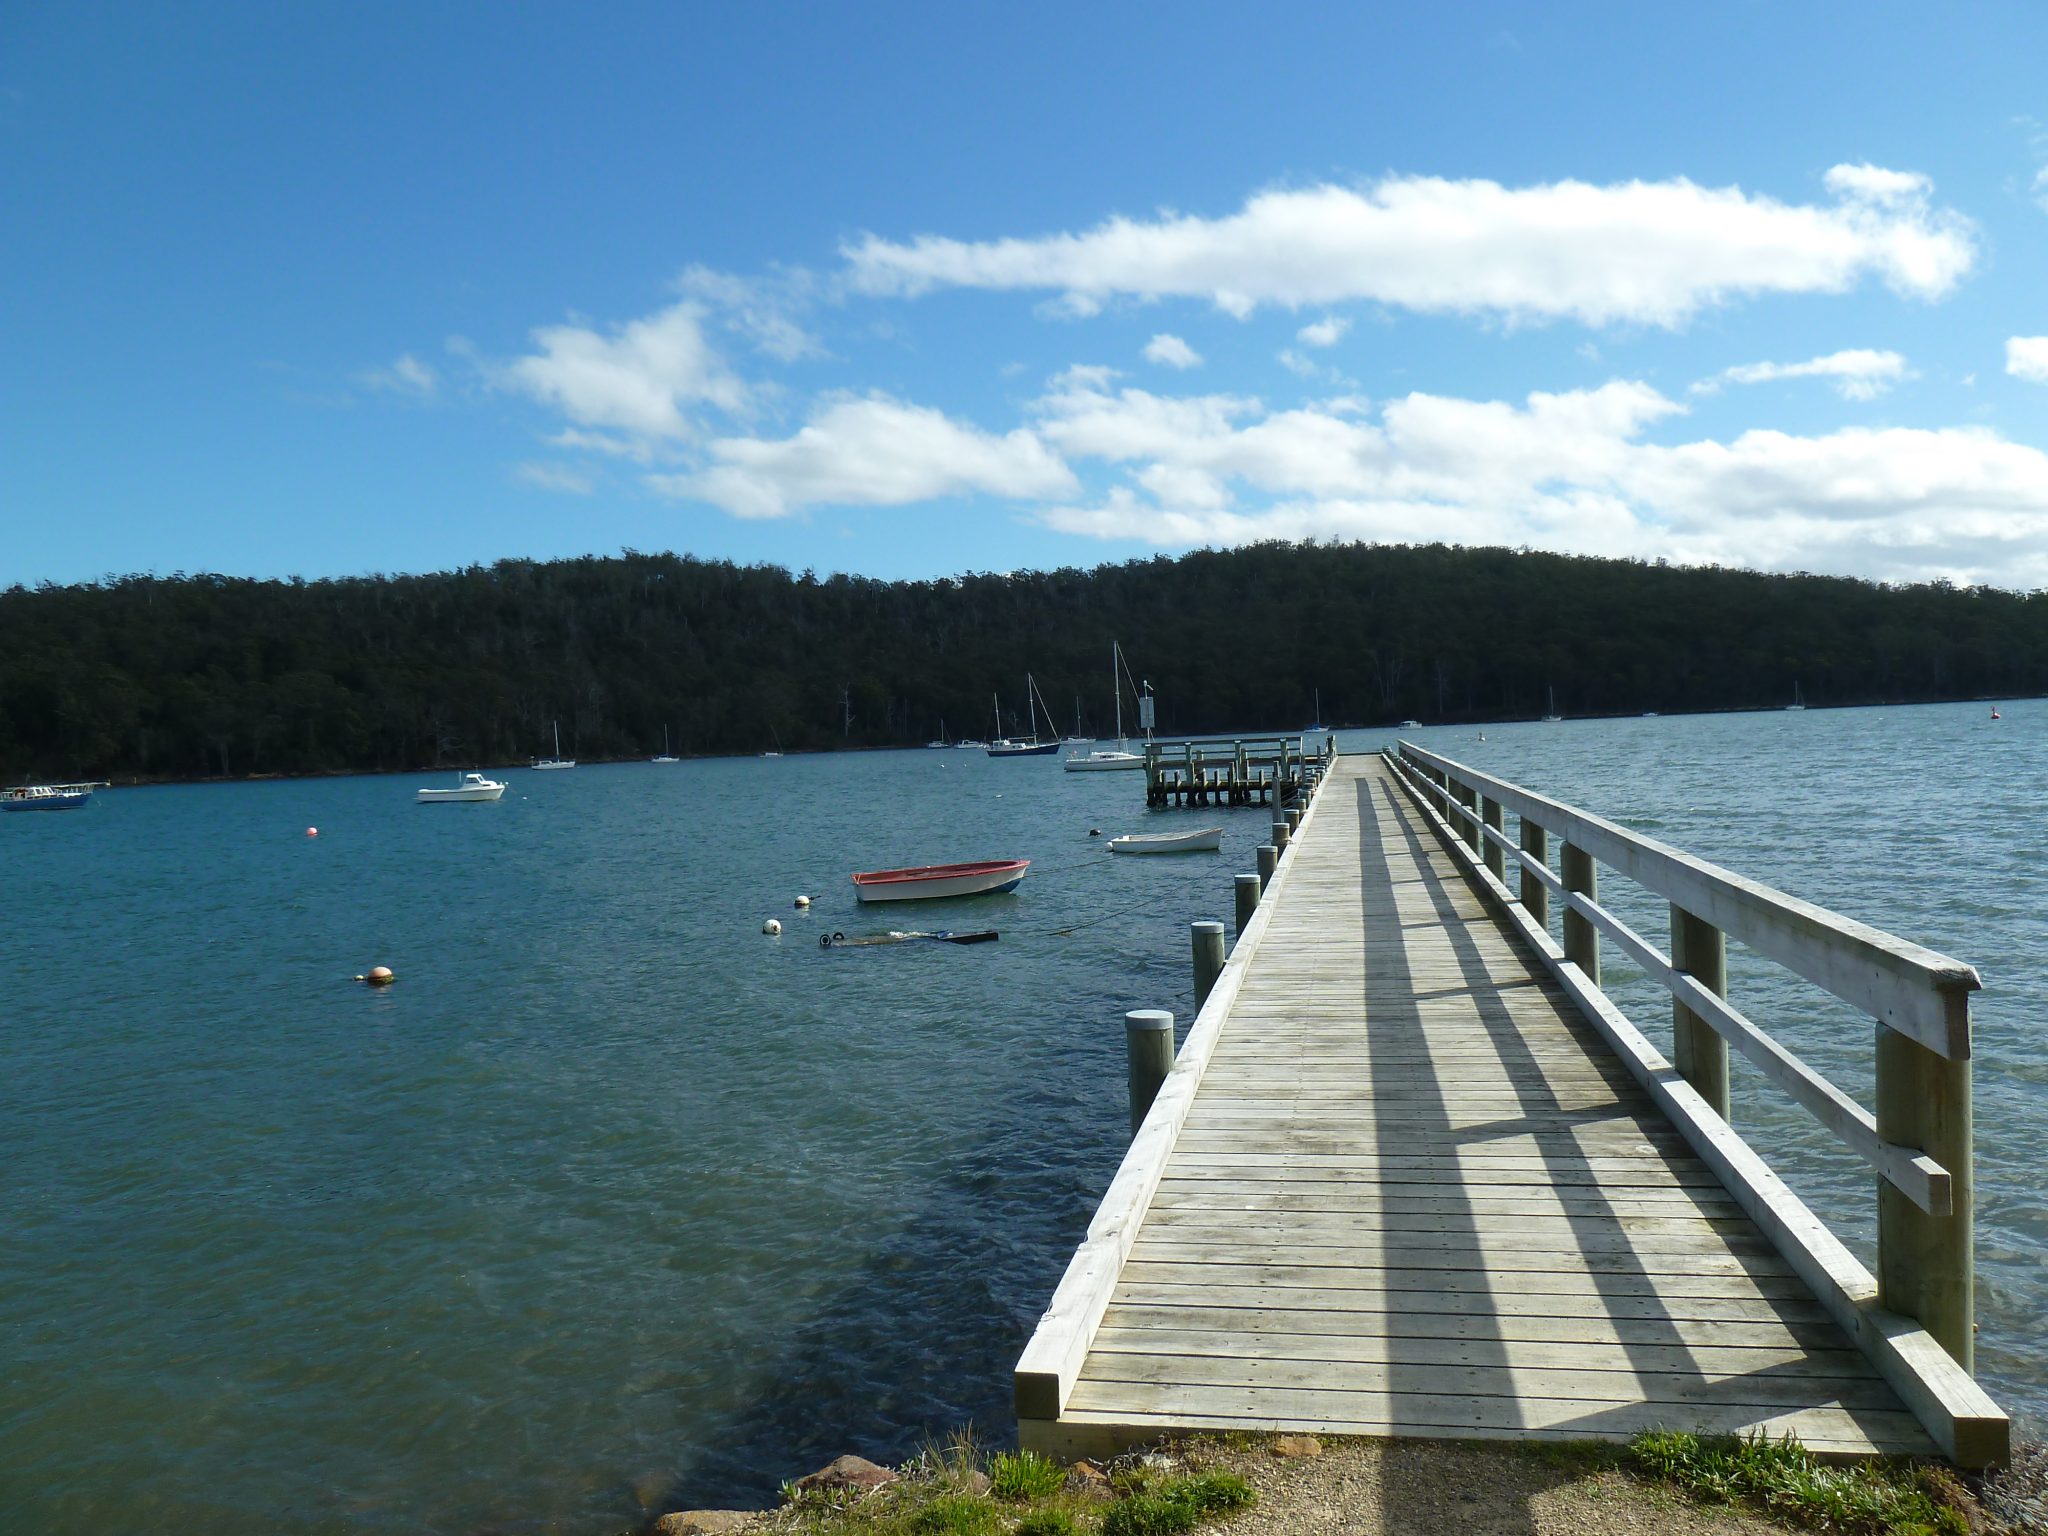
{"x": 1430, "y": 1488}
{"x": 2018, "y": 1496}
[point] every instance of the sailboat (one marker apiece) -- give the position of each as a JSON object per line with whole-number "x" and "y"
{"x": 557, "y": 761}
{"x": 1315, "y": 721}
{"x": 1553, "y": 716}
{"x": 1104, "y": 759}
{"x": 1077, "y": 739}
{"x": 1798, "y": 699}
{"x": 941, "y": 742}
{"x": 664, "y": 758}
{"x": 1002, "y": 746}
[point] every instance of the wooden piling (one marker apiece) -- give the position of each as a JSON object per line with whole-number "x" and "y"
{"x": 1581, "y": 938}
{"x": 1207, "y": 937}
{"x": 1468, "y": 827}
{"x": 1697, "y": 1049}
{"x": 1535, "y": 894}
{"x": 1281, "y": 834}
{"x": 1248, "y": 887}
{"x": 1269, "y": 864}
{"x": 1148, "y": 1045}
{"x": 1925, "y": 1264}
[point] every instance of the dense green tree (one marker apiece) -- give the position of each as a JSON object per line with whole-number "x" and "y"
{"x": 190, "y": 676}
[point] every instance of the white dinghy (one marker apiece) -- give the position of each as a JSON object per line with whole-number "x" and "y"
{"x": 1200, "y": 840}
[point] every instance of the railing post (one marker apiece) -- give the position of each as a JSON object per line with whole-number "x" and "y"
{"x": 1697, "y": 1048}
{"x": 1535, "y": 894}
{"x": 1469, "y": 830}
{"x": 1247, "y": 900}
{"x": 1581, "y": 938}
{"x": 1925, "y": 1267}
{"x": 1148, "y": 1047}
{"x": 1496, "y": 859}
{"x": 1208, "y": 947}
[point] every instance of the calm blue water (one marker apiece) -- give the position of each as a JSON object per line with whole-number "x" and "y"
{"x": 613, "y": 1203}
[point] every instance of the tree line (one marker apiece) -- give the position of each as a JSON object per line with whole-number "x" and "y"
{"x": 192, "y": 676}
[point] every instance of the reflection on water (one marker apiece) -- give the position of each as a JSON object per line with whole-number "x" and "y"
{"x": 613, "y": 1202}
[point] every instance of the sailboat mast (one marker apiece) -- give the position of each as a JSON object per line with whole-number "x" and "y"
{"x": 1116, "y": 691}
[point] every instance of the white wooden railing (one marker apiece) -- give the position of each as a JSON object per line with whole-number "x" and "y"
{"x": 1915, "y": 1318}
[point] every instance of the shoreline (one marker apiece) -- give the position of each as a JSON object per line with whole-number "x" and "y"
{"x": 151, "y": 781}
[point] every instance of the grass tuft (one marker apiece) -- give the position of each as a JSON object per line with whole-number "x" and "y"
{"x": 1176, "y": 1504}
{"x": 1047, "y": 1522}
{"x": 956, "y": 1515}
{"x": 1021, "y": 1475}
{"x": 1783, "y": 1478}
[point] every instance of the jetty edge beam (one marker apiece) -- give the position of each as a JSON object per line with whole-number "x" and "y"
{"x": 1054, "y": 1354}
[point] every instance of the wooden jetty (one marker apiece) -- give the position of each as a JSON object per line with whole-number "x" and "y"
{"x": 1242, "y": 770}
{"x": 1413, "y": 1173}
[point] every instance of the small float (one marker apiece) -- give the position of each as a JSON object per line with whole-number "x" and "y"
{"x": 470, "y": 787}
{"x": 1200, "y": 840}
{"x": 926, "y": 882}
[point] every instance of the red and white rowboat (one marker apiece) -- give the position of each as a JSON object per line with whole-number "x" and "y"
{"x": 927, "y": 881}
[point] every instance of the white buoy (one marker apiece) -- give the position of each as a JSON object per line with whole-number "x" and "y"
{"x": 772, "y": 927}
{"x": 802, "y": 902}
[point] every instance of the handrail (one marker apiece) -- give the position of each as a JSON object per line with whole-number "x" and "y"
{"x": 1919, "y": 1140}
{"x": 1919, "y": 993}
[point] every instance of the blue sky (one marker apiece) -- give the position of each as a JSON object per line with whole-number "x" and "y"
{"x": 916, "y": 290}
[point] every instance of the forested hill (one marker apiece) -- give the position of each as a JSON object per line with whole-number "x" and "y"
{"x": 193, "y": 676}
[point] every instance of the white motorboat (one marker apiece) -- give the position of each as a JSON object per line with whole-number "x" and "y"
{"x": 1200, "y": 840}
{"x": 49, "y": 797}
{"x": 1103, "y": 760}
{"x": 470, "y": 787}
{"x": 557, "y": 761}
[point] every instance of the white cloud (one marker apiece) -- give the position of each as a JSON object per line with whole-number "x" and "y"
{"x": 1571, "y": 471}
{"x": 870, "y": 452}
{"x": 642, "y": 379}
{"x": 2026, "y": 357}
{"x": 1326, "y": 332}
{"x": 1874, "y": 184}
{"x": 2041, "y": 188}
{"x": 556, "y": 477}
{"x": 1298, "y": 363}
{"x": 1858, "y": 374}
{"x": 763, "y": 310}
{"x": 1636, "y": 252}
{"x": 407, "y": 376}
{"x": 1172, "y": 352}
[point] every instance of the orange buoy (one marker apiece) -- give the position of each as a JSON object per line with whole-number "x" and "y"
{"x": 312, "y": 831}
{"x": 379, "y": 976}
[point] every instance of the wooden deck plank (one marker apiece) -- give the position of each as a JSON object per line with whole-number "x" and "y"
{"x": 1414, "y": 1193}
